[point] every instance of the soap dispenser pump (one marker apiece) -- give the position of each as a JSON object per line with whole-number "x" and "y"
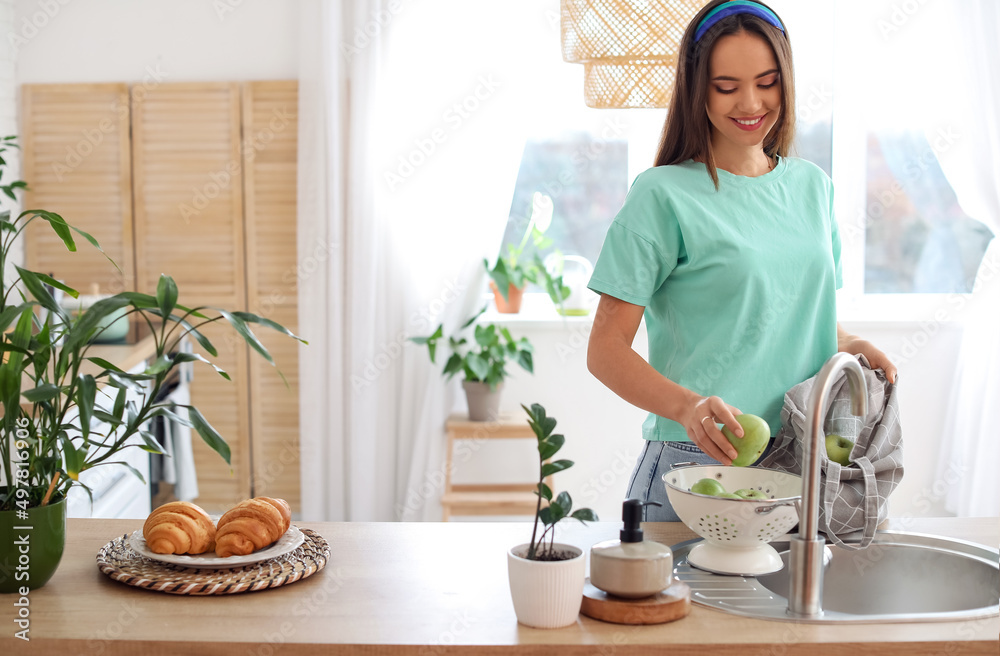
{"x": 631, "y": 567}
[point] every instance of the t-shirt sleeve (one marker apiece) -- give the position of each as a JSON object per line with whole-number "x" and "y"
{"x": 835, "y": 240}
{"x": 641, "y": 248}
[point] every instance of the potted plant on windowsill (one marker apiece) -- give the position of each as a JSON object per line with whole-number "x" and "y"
{"x": 482, "y": 362}
{"x": 512, "y": 273}
{"x": 66, "y": 411}
{"x": 547, "y": 577}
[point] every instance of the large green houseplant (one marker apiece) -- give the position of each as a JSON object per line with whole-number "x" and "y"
{"x": 65, "y": 411}
{"x": 482, "y": 361}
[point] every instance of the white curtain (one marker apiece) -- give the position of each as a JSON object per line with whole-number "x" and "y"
{"x": 342, "y": 270}
{"x": 970, "y": 449}
{"x": 404, "y": 186}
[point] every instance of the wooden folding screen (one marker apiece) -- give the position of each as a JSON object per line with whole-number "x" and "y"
{"x": 196, "y": 180}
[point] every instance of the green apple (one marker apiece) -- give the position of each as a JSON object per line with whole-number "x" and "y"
{"x": 756, "y": 434}
{"x": 709, "y": 486}
{"x": 747, "y": 493}
{"x": 839, "y": 449}
{"x": 728, "y": 496}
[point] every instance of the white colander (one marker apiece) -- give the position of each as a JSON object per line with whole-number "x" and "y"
{"x": 736, "y": 532}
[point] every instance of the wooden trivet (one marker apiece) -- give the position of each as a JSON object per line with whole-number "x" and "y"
{"x": 665, "y": 606}
{"x": 121, "y": 563}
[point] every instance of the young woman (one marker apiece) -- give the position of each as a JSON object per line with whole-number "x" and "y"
{"x": 730, "y": 250}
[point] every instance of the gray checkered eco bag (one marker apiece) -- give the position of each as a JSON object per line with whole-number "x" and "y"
{"x": 853, "y": 499}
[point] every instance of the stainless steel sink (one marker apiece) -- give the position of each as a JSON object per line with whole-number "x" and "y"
{"x": 901, "y": 577}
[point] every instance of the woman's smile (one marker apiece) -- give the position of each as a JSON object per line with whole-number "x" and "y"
{"x": 749, "y": 123}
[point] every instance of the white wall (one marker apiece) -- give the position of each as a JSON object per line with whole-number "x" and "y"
{"x": 172, "y": 40}
{"x": 8, "y": 118}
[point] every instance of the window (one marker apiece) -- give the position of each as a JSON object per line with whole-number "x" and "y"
{"x": 918, "y": 238}
{"x": 898, "y": 112}
{"x": 587, "y": 179}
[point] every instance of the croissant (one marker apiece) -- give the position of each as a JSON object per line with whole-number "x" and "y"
{"x": 179, "y": 527}
{"x": 251, "y": 525}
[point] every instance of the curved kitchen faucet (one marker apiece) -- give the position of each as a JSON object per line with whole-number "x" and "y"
{"x": 806, "y": 549}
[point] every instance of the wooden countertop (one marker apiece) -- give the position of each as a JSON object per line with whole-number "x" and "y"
{"x": 426, "y": 588}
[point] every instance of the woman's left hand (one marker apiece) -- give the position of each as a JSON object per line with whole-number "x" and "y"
{"x": 848, "y": 343}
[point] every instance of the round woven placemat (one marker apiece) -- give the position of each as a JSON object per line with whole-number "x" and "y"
{"x": 120, "y": 562}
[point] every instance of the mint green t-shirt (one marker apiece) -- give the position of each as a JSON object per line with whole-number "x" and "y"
{"x": 739, "y": 285}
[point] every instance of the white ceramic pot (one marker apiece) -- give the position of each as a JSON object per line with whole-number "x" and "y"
{"x": 546, "y": 594}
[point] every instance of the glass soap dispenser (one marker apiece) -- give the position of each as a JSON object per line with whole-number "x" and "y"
{"x": 631, "y": 567}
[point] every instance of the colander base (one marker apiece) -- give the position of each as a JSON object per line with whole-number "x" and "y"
{"x": 735, "y": 561}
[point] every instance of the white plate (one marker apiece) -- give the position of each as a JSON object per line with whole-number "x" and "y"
{"x": 287, "y": 543}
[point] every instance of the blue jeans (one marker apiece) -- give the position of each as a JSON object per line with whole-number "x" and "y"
{"x": 656, "y": 459}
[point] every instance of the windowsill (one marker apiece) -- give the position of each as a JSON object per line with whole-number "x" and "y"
{"x": 877, "y": 311}
{"x": 887, "y": 311}
{"x": 538, "y": 311}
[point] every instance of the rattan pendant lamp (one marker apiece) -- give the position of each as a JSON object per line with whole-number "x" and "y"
{"x": 628, "y": 48}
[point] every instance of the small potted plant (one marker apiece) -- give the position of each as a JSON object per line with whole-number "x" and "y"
{"x": 512, "y": 272}
{"x": 66, "y": 411}
{"x": 482, "y": 362}
{"x": 547, "y": 577}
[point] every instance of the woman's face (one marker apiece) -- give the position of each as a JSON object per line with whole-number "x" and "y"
{"x": 744, "y": 90}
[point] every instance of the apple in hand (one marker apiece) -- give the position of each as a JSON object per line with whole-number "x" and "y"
{"x": 839, "y": 449}
{"x": 709, "y": 486}
{"x": 756, "y": 434}
{"x": 746, "y": 493}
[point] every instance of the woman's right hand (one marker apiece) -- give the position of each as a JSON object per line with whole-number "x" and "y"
{"x": 701, "y": 420}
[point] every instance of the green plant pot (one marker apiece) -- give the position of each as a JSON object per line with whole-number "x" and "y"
{"x": 40, "y": 556}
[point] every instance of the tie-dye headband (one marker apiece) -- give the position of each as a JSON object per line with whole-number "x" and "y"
{"x": 732, "y": 8}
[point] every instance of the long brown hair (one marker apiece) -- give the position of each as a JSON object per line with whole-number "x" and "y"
{"x": 687, "y": 132}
